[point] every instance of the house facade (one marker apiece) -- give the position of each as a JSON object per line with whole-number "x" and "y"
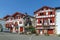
{"x": 15, "y": 22}
{"x": 45, "y": 20}
{"x": 57, "y": 20}
{"x": 2, "y": 25}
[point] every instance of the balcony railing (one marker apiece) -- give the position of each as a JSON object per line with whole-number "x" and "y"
{"x": 45, "y": 24}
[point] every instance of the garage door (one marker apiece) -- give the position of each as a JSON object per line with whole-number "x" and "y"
{"x": 50, "y": 31}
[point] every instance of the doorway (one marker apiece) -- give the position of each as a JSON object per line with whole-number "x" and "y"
{"x": 41, "y": 31}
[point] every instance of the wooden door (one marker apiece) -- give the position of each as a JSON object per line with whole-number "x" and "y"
{"x": 21, "y": 29}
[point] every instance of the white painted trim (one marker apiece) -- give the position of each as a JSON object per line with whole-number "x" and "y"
{"x": 49, "y": 10}
{"x": 39, "y": 24}
{"x": 45, "y": 16}
{"x": 52, "y": 24}
{"x": 8, "y": 21}
{"x": 46, "y": 13}
{"x": 49, "y": 21}
{"x": 35, "y": 15}
{"x": 39, "y": 28}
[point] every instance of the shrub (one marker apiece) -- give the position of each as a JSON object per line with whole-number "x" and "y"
{"x": 32, "y": 29}
{"x": 59, "y": 35}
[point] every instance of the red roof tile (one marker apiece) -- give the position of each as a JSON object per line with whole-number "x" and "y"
{"x": 43, "y": 8}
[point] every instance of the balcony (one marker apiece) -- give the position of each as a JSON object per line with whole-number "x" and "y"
{"x": 45, "y": 16}
{"x": 45, "y": 24}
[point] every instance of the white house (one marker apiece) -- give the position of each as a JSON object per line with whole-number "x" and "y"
{"x": 57, "y": 20}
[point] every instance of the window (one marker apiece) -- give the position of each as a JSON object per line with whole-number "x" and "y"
{"x": 18, "y": 17}
{"x": 50, "y": 21}
{"x": 15, "y": 22}
{"x": 40, "y": 21}
{"x": 50, "y": 13}
{"x": 41, "y": 14}
{"x": 45, "y": 21}
{"x": 20, "y": 22}
{"x": 11, "y": 18}
{"x": 7, "y": 25}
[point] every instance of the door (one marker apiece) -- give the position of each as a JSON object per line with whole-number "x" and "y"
{"x": 21, "y": 29}
{"x": 41, "y": 32}
{"x": 50, "y": 31}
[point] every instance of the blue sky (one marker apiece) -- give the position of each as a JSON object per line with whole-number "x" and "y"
{"x": 29, "y": 6}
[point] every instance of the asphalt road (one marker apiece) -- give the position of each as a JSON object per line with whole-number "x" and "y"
{"x": 12, "y": 36}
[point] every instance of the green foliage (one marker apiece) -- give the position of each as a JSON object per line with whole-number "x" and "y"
{"x": 32, "y": 29}
{"x": 59, "y": 35}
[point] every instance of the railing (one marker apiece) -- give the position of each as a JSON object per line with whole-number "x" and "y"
{"x": 45, "y": 24}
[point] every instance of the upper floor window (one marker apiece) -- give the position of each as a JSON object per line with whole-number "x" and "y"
{"x": 11, "y": 18}
{"x": 7, "y": 19}
{"x": 45, "y": 21}
{"x": 40, "y": 21}
{"x": 51, "y": 13}
{"x": 50, "y": 21}
{"x": 17, "y": 17}
{"x": 40, "y": 14}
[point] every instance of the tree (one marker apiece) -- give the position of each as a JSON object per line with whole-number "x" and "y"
{"x": 32, "y": 29}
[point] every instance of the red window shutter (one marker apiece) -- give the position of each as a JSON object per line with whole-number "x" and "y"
{"x": 16, "y": 24}
{"x": 38, "y": 14}
{"x": 53, "y": 12}
{"x": 48, "y": 13}
{"x": 18, "y": 17}
{"x": 44, "y": 13}
{"x": 10, "y": 25}
{"x": 38, "y": 21}
{"x": 6, "y": 25}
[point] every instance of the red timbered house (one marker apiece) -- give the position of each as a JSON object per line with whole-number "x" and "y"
{"x": 45, "y": 20}
{"x": 15, "y": 22}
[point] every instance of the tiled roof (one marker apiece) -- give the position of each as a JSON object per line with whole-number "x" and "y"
{"x": 43, "y": 8}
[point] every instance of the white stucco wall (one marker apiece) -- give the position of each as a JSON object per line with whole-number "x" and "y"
{"x": 2, "y": 22}
{"x": 22, "y": 20}
{"x": 18, "y": 20}
{"x": 58, "y": 21}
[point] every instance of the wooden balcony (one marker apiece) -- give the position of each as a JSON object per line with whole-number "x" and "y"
{"x": 45, "y": 25}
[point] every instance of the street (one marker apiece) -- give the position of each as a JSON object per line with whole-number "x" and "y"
{"x": 12, "y": 36}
